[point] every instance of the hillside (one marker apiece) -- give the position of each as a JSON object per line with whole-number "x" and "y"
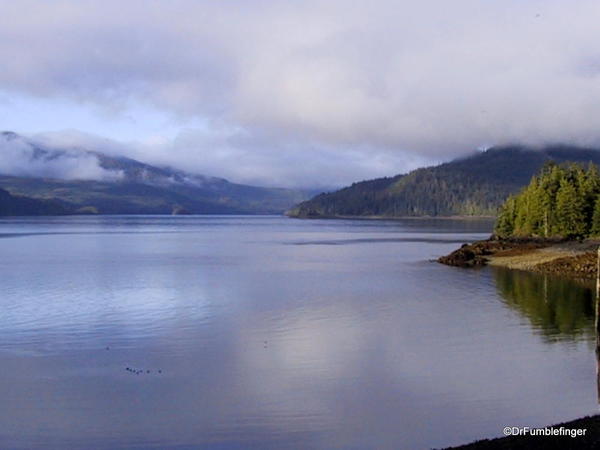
{"x": 11, "y": 205}
{"x": 475, "y": 185}
{"x": 121, "y": 185}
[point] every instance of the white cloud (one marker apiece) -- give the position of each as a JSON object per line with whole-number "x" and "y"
{"x": 19, "y": 157}
{"x": 315, "y": 89}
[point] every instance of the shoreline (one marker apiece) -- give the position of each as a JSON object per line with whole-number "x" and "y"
{"x": 573, "y": 260}
{"x": 590, "y": 440}
{"x": 322, "y": 217}
{"x": 576, "y": 260}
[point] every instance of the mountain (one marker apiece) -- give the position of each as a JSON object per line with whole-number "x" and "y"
{"x": 11, "y": 205}
{"x": 475, "y": 185}
{"x": 119, "y": 185}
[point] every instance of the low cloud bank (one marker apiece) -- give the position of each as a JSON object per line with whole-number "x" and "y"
{"x": 20, "y": 157}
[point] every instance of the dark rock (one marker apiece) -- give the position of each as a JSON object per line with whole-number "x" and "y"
{"x": 474, "y": 255}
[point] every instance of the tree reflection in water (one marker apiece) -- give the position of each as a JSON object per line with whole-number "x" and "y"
{"x": 558, "y": 309}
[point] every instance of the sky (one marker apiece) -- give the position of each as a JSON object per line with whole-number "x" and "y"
{"x": 299, "y": 93}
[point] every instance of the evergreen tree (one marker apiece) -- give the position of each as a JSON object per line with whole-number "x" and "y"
{"x": 595, "y": 226}
{"x": 505, "y": 225}
{"x": 560, "y": 201}
{"x": 570, "y": 218}
{"x": 589, "y": 189}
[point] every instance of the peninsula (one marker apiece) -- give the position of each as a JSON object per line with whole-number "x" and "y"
{"x": 552, "y": 226}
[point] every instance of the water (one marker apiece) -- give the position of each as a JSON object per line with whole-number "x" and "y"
{"x": 277, "y": 333}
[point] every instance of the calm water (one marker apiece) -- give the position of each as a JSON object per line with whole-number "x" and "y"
{"x": 277, "y": 333}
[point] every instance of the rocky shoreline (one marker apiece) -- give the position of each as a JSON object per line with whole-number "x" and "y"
{"x": 567, "y": 258}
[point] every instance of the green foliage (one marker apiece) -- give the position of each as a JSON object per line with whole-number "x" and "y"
{"x": 560, "y": 201}
{"x": 595, "y": 227}
{"x": 570, "y": 218}
{"x": 477, "y": 185}
{"x": 505, "y": 224}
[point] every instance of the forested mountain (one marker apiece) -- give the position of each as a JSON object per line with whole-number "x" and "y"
{"x": 84, "y": 181}
{"x": 559, "y": 202}
{"x": 475, "y": 185}
{"x": 11, "y": 205}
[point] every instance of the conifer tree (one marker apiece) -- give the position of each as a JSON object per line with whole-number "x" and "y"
{"x": 505, "y": 224}
{"x": 595, "y": 226}
{"x": 570, "y": 218}
{"x": 589, "y": 190}
{"x": 560, "y": 201}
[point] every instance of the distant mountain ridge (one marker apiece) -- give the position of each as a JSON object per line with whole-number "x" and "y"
{"x": 128, "y": 186}
{"x": 470, "y": 186}
{"x": 11, "y": 205}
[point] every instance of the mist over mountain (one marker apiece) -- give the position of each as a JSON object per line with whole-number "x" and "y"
{"x": 86, "y": 181}
{"x": 21, "y": 157}
{"x": 474, "y": 185}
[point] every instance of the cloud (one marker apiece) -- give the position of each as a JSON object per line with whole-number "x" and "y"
{"x": 318, "y": 89}
{"x": 19, "y": 157}
{"x": 242, "y": 157}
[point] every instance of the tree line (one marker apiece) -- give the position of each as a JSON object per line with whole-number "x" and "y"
{"x": 561, "y": 201}
{"x": 476, "y": 185}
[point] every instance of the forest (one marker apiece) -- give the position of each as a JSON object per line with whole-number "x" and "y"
{"x": 476, "y": 185}
{"x": 561, "y": 201}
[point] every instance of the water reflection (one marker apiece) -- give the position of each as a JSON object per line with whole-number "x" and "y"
{"x": 267, "y": 344}
{"x": 558, "y": 309}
